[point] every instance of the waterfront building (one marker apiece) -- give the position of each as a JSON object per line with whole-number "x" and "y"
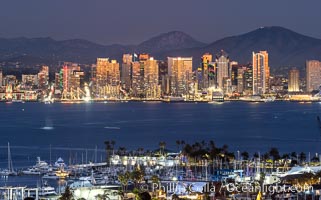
{"x": 278, "y": 83}
{"x": 204, "y": 78}
{"x": 107, "y": 78}
{"x": 29, "y": 80}
{"x": 43, "y": 77}
{"x": 294, "y": 80}
{"x": 313, "y": 75}
{"x": 151, "y": 86}
{"x": 137, "y": 80}
{"x": 58, "y": 81}
{"x": 240, "y": 79}
{"x": 261, "y": 73}
{"x": 1, "y": 78}
{"x": 234, "y": 75}
{"x": 125, "y": 74}
{"x": 144, "y": 77}
{"x": 248, "y": 79}
{"x": 10, "y": 80}
{"x": 163, "y": 78}
{"x": 180, "y": 73}
{"x": 70, "y": 81}
{"x": 222, "y": 63}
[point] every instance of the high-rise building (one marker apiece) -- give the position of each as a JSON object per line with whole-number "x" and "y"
{"x": 125, "y": 73}
{"x": 67, "y": 73}
{"x": 248, "y": 79}
{"x": 151, "y": 86}
{"x": 29, "y": 80}
{"x": 163, "y": 78}
{"x": 58, "y": 81}
{"x": 234, "y": 75}
{"x": 137, "y": 80}
{"x": 180, "y": 73}
{"x": 108, "y": 78}
{"x": 206, "y": 60}
{"x": 240, "y": 80}
{"x": 10, "y": 80}
{"x": 1, "y": 78}
{"x": 313, "y": 75}
{"x": 222, "y": 63}
{"x": 43, "y": 77}
{"x": 261, "y": 73}
{"x": 294, "y": 80}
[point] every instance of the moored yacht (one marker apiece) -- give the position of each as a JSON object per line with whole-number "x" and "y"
{"x": 41, "y": 167}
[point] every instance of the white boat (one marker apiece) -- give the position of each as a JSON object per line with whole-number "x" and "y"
{"x": 50, "y": 175}
{"x": 31, "y": 171}
{"x": 47, "y": 190}
{"x": 216, "y": 102}
{"x": 17, "y": 101}
{"x": 60, "y": 163}
{"x": 41, "y": 167}
{"x": 269, "y": 99}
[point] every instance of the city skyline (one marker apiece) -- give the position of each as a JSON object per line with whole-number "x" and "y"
{"x": 102, "y": 22}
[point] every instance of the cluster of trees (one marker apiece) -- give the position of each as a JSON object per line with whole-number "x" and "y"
{"x": 209, "y": 150}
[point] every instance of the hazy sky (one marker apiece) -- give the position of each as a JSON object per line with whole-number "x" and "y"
{"x": 132, "y": 21}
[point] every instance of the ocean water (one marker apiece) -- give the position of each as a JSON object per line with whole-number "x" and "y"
{"x": 74, "y": 131}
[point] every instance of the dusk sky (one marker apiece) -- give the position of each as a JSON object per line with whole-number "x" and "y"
{"x": 131, "y": 22}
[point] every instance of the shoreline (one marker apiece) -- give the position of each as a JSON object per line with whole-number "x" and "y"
{"x": 164, "y": 101}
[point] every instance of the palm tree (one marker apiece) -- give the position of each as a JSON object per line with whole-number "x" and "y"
{"x": 178, "y": 143}
{"x": 112, "y": 144}
{"x": 144, "y": 196}
{"x": 137, "y": 175}
{"x": 67, "y": 195}
{"x": 102, "y": 196}
{"x": 162, "y": 147}
{"x": 302, "y": 157}
{"x": 108, "y": 147}
{"x": 294, "y": 158}
{"x": 123, "y": 179}
{"x": 274, "y": 153}
{"x": 245, "y": 155}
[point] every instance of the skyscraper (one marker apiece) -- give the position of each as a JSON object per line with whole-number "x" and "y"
{"x": 261, "y": 73}
{"x": 151, "y": 85}
{"x": 163, "y": 78}
{"x": 248, "y": 79}
{"x": 126, "y": 71}
{"x": 206, "y": 59}
{"x": 313, "y": 75}
{"x": 294, "y": 81}
{"x": 137, "y": 80}
{"x": 43, "y": 77}
{"x": 69, "y": 80}
{"x": 108, "y": 77}
{"x": 222, "y": 63}
{"x": 180, "y": 72}
{"x": 1, "y": 77}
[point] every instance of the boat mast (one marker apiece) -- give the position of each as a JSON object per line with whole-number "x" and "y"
{"x": 10, "y": 166}
{"x": 9, "y": 157}
{"x": 50, "y": 154}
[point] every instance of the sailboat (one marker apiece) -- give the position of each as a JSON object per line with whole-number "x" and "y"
{"x": 10, "y": 171}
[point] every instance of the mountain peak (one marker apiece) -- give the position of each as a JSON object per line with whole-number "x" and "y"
{"x": 169, "y": 41}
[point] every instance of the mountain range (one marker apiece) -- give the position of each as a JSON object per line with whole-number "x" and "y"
{"x": 285, "y": 48}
